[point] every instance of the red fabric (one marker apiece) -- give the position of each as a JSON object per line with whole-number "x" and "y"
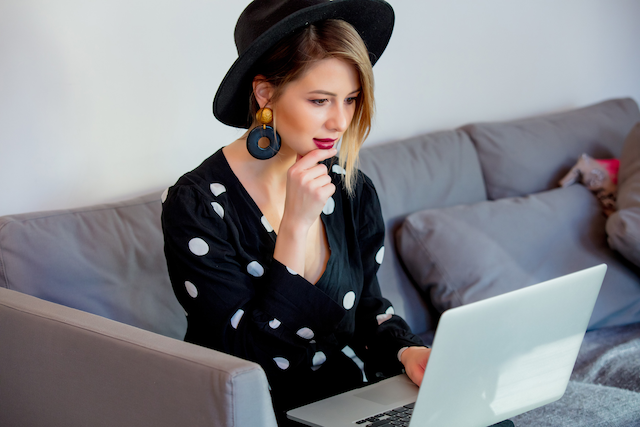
{"x": 612, "y": 166}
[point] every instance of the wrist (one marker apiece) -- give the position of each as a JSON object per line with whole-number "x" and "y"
{"x": 292, "y": 230}
{"x": 400, "y": 352}
{"x": 291, "y": 246}
{"x": 405, "y": 353}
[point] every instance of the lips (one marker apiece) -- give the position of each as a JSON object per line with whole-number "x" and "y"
{"x": 324, "y": 144}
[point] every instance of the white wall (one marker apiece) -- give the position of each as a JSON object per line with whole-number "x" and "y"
{"x": 106, "y": 99}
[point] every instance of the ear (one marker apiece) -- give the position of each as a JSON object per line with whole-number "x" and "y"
{"x": 262, "y": 90}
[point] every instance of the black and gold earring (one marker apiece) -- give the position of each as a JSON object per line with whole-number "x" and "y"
{"x": 264, "y": 116}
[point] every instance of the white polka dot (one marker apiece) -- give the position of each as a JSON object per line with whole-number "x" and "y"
{"x": 348, "y": 300}
{"x": 305, "y": 333}
{"x": 291, "y": 271}
{"x": 255, "y": 269}
{"x": 217, "y": 189}
{"x": 329, "y": 206}
{"x": 275, "y": 323}
{"x": 319, "y": 358}
{"x": 281, "y": 362}
{"x": 191, "y": 289}
{"x": 235, "y": 320}
{"x": 390, "y": 310}
{"x": 266, "y": 224}
{"x": 338, "y": 169}
{"x": 165, "y": 193}
{"x": 198, "y": 246}
{"x": 218, "y": 208}
{"x": 381, "y": 318}
{"x": 380, "y": 255}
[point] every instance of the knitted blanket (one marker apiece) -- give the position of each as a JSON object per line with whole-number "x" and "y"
{"x": 605, "y": 385}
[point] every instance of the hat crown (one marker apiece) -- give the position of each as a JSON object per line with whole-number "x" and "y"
{"x": 260, "y": 15}
{"x": 264, "y": 23}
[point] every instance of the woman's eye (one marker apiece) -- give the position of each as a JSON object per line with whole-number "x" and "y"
{"x": 318, "y": 101}
{"x": 351, "y": 100}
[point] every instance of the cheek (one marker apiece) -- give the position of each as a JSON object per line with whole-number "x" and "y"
{"x": 353, "y": 112}
{"x": 299, "y": 119}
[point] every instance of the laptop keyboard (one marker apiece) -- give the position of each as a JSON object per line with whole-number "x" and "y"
{"x": 395, "y": 417}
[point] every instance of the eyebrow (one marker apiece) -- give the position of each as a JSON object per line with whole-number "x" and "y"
{"x": 324, "y": 92}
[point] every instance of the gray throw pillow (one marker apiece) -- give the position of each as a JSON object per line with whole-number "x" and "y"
{"x": 467, "y": 253}
{"x": 623, "y": 227}
{"x": 531, "y": 155}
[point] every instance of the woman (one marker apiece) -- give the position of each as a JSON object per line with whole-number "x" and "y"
{"x": 272, "y": 243}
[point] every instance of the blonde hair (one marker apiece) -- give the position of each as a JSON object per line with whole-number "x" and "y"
{"x": 292, "y": 56}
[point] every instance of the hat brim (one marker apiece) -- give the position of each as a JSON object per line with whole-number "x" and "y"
{"x": 372, "y": 19}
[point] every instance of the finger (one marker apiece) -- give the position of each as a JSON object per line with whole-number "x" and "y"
{"x": 316, "y": 182}
{"x": 323, "y": 181}
{"x": 317, "y": 171}
{"x": 416, "y": 375}
{"x": 307, "y": 176}
{"x": 327, "y": 191}
{"x": 314, "y": 157}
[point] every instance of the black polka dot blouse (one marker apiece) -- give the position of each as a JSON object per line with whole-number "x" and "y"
{"x": 239, "y": 300}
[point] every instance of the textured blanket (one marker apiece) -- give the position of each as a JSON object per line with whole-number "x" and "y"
{"x": 605, "y": 385}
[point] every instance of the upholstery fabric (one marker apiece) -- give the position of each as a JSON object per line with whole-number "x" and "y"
{"x": 64, "y": 367}
{"x": 426, "y": 171}
{"x": 467, "y": 253}
{"x": 105, "y": 259}
{"x": 531, "y": 155}
{"x": 623, "y": 227}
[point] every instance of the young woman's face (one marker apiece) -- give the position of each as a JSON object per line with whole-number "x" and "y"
{"x": 315, "y": 110}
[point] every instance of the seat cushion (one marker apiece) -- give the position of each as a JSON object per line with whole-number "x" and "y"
{"x": 106, "y": 260}
{"x": 466, "y": 253}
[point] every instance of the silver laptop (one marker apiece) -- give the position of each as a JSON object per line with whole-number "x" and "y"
{"x": 491, "y": 360}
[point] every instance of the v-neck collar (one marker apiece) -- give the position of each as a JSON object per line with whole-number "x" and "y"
{"x": 273, "y": 235}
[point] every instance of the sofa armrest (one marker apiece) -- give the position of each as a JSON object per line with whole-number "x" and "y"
{"x": 64, "y": 367}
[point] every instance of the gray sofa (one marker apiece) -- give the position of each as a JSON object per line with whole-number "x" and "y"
{"x": 90, "y": 331}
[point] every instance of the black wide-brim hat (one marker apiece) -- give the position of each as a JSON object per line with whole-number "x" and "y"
{"x": 265, "y": 22}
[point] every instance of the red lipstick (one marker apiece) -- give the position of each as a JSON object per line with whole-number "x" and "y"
{"x": 325, "y": 143}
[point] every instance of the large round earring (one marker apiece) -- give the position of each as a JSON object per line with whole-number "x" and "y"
{"x": 264, "y": 116}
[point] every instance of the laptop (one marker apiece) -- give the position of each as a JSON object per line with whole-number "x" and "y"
{"x": 490, "y": 360}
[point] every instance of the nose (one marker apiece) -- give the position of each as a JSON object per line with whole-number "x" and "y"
{"x": 340, "y": 118}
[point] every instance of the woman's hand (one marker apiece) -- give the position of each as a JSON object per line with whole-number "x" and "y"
{"x": 309, "y": 187}
{"x": 415, "y": 361}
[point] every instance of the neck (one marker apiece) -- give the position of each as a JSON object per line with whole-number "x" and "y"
{"x": 271, "y": 172}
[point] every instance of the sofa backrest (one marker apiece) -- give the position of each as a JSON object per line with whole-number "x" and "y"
{"x": 515, "y": 158}
{"x": 106, "y": 260}
{"x": 527, "y": 156}
{"x": 426, "y": 171}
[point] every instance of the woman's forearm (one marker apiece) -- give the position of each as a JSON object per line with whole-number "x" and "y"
{"x": 291, "y": 245}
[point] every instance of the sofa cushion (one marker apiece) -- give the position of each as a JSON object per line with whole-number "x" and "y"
{"x": 106, "y": 259}
{"x": 426, "y": 171}
{"x": 467, "y": 253}
{"x": 528, "y": 156}
{"x": 623, "y": 227}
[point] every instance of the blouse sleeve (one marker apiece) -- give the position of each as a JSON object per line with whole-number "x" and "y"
{"x": 256, "y": 309}
{"x": 380, "y": 333}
